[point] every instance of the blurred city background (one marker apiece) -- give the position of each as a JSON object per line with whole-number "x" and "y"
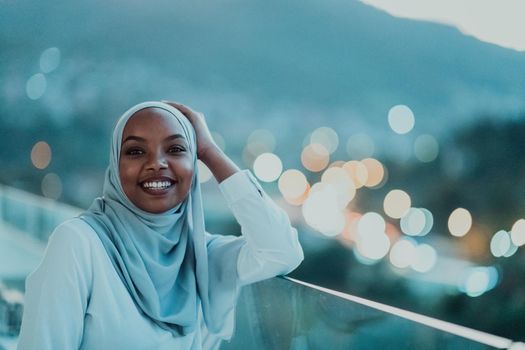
{"x": 395, "y": 144}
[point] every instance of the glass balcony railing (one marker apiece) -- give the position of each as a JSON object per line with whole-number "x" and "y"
{"x": 284, "y": 313}
{"x": 33, "y": 215}
{"x": 280, "y": 313}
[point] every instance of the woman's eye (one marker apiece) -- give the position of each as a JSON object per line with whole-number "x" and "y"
{"x": 176, "y": 149}
{"x": 134, "y": 152}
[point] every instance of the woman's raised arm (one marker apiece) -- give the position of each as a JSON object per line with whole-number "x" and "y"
{"x": 220, "y": 165}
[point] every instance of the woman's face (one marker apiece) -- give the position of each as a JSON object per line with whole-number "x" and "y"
{"x": 156, "y": 166}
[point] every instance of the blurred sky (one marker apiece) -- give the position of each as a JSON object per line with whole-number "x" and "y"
{"x": 493, "y": 21}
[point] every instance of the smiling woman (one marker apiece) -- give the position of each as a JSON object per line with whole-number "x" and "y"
{"x": 138, "y": 270}
{"x": 155, "y": 166}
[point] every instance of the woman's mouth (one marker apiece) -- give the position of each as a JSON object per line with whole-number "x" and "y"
{"x": 157, "y": 186}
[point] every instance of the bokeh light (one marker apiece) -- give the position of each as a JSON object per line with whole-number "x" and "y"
{"x": 49, "y": 60}
{"x": 36, "y": 86}
{"x": 41, "y": 155}
{"x": 396, "y": 203}
{"x": 342, "y": 183}
{"x": 459, "y": 222}
{"x": 374, "y": 245}
{"x": 325, "y": 136}
{"x": 500, "y": 243}
{"x": 414, "y": 222}
{"x": 401, "y": 119}
{"x": 267, "y": 167}
{"x": 349, "y": 234}
{"x": 321, "y": 210}
{"x": 403, "y": 253}
{"x": 357, "y": 171}
{"x": 261, "y": 141}
{"x": 426, "y": 148}
{"x": 517, "y": 233}
{"x": 479, "y": 280}
{"x": 425, "y": 258}
{"x": 511, "y": 251}
{"x": 371, "y": 222}
{"x": 293, "y": 184}
{"x": 375, "y": 170}
{"x": 337, "y": 163}
{"x": 417, "y": 222}
{"x": 429, "y": 221}
{"x": 360, "y": 146}
{"x": 205, "y": 173}
{"x": 372, "y": 242}
{"x": 315, "y": 157}
{"x": 51, "y": 186}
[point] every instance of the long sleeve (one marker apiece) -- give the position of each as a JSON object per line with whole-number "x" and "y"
{"x": 271, "y": 244}
{"x": 57, "y": 294}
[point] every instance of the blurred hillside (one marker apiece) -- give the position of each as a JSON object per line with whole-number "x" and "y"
{"x": 285, "y": 66}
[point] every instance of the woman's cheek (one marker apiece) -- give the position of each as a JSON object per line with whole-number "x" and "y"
{"x": 126, "y": 172}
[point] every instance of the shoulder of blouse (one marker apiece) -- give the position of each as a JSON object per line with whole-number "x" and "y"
{"x": 71, "y": 243}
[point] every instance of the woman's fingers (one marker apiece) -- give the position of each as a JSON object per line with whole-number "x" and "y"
{"x": 187, "y": 111}
{"x": 179, "y": 106}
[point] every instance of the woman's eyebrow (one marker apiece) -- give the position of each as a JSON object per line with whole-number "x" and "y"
{"x": 141, "y": 139}
{"x": 135, "y": 138}
{"x": 174, "y": 136}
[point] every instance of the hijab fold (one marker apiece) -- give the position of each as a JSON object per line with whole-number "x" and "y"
{"x": 163, "y": 259}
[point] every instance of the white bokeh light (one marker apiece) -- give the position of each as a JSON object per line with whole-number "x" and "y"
{"x": 459, "y": 222}
{"x": 372, "y": 242}
{"x": 511, "y": 251}
{"x": 267, "y": 167}
{"x": 403, "y": 253}
{"x": 371, "y": 222}
{"x": 396, "y": 203}
{"x": 401, "y": 119}
{"x": 36, "y": 86}
{"x": 479, "y": 280}
{"x": 344, "y": 186}
{"x": 49, "y": 60}
{"x": 327, "y": 137}
{"x": 500, "y": 243}
{"x": 517, "y": 233}
{"x": 321, "y": 210}
{"x": 416, "y": 222}
{"x": 425, "y": 258}
{"x": 373, "y": 245}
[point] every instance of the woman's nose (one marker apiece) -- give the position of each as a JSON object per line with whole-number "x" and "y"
{"x": 157, "y": 161}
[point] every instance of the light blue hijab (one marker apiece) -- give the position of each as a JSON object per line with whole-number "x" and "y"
{"x": 167, "y": 261}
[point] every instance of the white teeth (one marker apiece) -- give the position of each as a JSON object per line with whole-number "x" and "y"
{"x": 157, "y": 184}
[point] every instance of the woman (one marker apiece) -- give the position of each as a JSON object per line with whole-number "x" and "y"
{"x": 138, "y": 270}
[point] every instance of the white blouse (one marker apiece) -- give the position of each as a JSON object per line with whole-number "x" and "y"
{"x": 76, "y": 300}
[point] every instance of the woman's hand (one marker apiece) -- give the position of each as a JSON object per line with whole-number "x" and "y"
{"x": 205, "y": 141}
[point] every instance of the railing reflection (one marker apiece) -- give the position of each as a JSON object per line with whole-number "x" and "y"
{"x": 283, "y": 313}
{"x": 31, "y": 214}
